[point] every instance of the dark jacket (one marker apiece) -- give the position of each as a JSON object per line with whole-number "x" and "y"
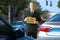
{"x": 33, "y": 27}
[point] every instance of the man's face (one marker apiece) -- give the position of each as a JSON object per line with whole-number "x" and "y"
{"x": 32, "y": 6}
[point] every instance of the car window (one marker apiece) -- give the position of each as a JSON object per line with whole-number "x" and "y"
{"x": 4, "y": 29}
{"x": 55, "y": 18}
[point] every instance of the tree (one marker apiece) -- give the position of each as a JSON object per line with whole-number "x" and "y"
{"x": 14, "y": 5}
{"x": 58, "y": 4}
{"x": 20, "y": 4}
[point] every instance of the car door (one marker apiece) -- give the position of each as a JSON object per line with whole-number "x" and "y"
{"x": 6, "y": 31}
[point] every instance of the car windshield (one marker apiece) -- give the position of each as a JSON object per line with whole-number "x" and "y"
{"x": 55, "y": 18}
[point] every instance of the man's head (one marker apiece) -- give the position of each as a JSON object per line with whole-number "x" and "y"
{"x": 32, "y": 5}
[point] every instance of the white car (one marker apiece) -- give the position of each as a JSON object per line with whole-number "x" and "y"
{"x": 50, "y": 30}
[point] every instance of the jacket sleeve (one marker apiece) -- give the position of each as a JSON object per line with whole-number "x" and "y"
{"x": 39, "y": 18}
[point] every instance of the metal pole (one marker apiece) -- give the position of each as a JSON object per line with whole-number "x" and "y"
{"x": 9, "y": 9}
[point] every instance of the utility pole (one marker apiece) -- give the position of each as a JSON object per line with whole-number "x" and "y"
{"x": 50, "y": 3}
{"x": 46, "y": 3}
{"x": 9, "y": 10}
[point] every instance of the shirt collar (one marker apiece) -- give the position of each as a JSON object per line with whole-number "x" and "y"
{"x": 32, "y": 11}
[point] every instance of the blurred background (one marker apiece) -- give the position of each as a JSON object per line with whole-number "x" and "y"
{"x": 13, "y": 10}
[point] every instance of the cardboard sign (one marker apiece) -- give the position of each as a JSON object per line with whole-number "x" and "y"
{"x": 31, "y": 20}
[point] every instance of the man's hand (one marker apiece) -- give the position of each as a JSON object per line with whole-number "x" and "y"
{"x": 25, "y": 19}
{"x": 36, "y": 22}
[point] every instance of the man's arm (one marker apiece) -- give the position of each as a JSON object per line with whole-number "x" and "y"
{"x": 39, "y": 18}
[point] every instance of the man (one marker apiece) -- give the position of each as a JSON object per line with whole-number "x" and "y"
{"x": 32, "y": 28}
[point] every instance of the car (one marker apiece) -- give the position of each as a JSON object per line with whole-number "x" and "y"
{"x": 7, "y": 32}
{"x": 19, "y": 25}
{"x": 50, "y": 30}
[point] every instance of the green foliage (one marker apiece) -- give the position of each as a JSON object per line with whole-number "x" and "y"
{"x": 20, "y": 4}
{"x": 58, "y": 4}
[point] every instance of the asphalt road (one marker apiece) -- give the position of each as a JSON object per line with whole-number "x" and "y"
{"x": 26, "y": 38}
